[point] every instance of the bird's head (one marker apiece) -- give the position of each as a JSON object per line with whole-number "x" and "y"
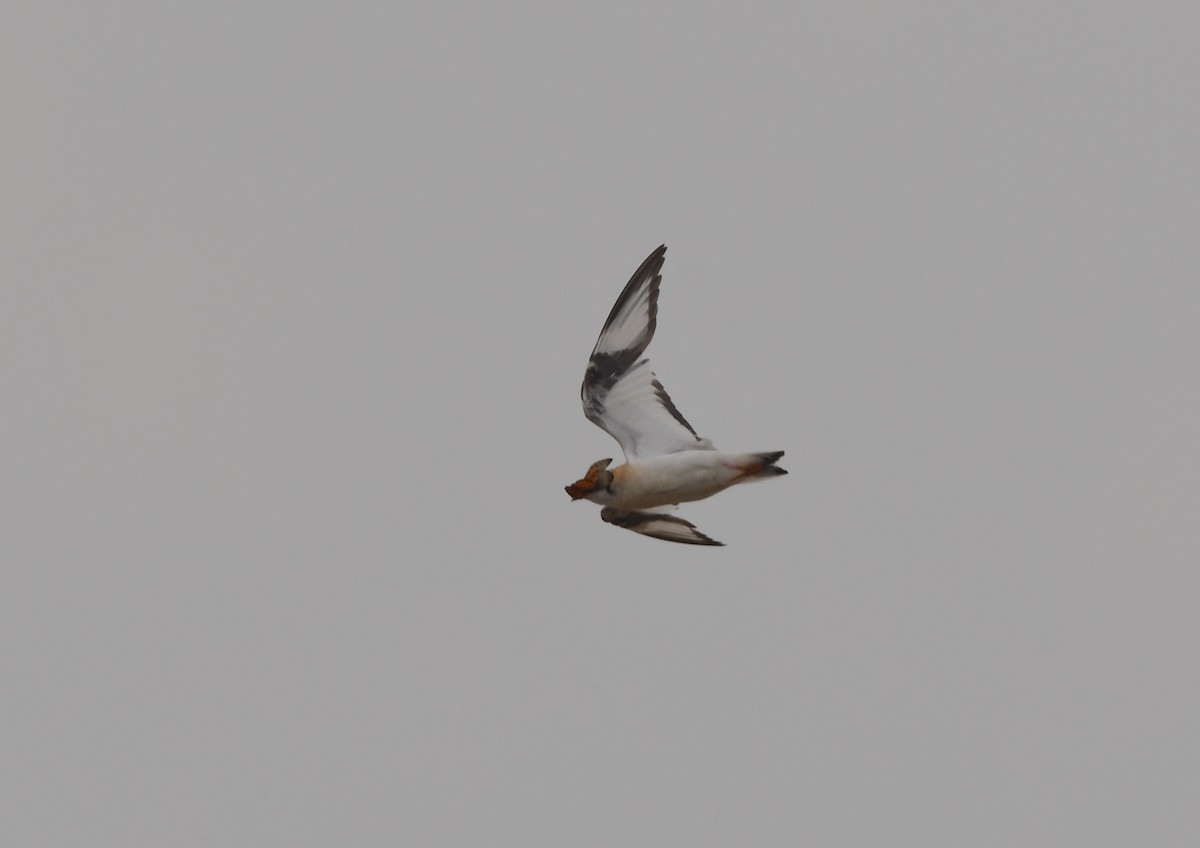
{"x": 596, "y": 480}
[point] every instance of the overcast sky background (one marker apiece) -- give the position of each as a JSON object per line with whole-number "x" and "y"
{"x": 297, "y": 300}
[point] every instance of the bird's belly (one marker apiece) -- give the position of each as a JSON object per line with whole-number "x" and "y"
{"x": 663, "y": 482}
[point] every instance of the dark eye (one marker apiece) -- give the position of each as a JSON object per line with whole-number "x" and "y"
{"x": 609, "y": 489}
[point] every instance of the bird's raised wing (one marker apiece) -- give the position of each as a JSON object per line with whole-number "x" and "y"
{"x": 658, "y": 525}
{"x": 620, "y": 393}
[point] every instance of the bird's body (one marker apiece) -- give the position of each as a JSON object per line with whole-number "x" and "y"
{"x": 676, "y": 478}
{"x": 667, "y": 463}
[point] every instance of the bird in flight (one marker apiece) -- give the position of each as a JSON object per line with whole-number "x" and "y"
{"x": 666, "y": 463}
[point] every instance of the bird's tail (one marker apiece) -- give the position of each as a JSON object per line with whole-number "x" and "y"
{"x": 759, "y": 466}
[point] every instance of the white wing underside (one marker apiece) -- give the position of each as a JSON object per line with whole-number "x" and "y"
{"x": 620, "y": 393}
{"x": 639, "y": 414}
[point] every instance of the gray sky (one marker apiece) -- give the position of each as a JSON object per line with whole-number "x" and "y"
{"x": 298, "y": 299}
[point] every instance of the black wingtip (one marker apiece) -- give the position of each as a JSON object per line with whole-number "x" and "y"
{"x": 604, "y": 368}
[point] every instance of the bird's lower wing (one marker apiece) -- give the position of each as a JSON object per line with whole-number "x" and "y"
{"x": 658, "y": 525}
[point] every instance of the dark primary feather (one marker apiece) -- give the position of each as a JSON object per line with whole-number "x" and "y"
{"x": 606, "y": 366}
